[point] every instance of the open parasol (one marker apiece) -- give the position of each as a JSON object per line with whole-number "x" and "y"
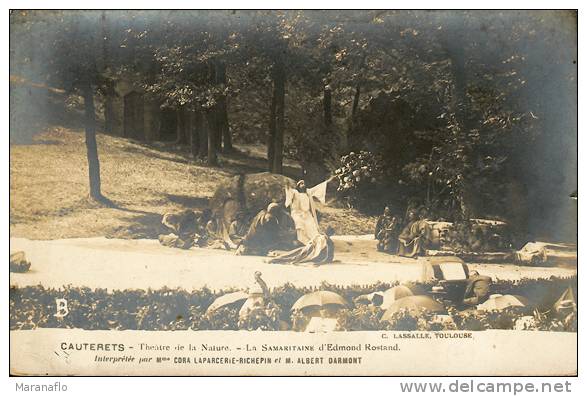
{"x": 228, "y": 299}
{"x": 498, "y": 302}
{"x": 415, "y": 305}
{"x": 395, "y": 293}
{"x": 319, "y": 298}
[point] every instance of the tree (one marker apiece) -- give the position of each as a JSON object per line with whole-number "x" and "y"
{"x": 91, "y": 144}
{"x": 273, "y": 39}
{"x": 278, "y": 119}
{"x": 190, "y": 52}
{"x": 456, "y": 107}
{"x": 73, "y": 65}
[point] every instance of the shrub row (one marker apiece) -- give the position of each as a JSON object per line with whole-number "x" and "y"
{"x": 178, "y": 309}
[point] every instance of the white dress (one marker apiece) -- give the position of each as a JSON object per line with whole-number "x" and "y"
{"x": 303, "y": 211}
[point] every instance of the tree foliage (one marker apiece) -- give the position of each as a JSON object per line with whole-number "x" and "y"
{"x": 458, "y": 103}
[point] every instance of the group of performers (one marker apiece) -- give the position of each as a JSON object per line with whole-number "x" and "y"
{"x": 409, "y": 238}
{"x": 265, "y": 234}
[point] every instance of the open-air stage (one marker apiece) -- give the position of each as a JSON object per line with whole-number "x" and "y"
{"x": 118, "y": 264}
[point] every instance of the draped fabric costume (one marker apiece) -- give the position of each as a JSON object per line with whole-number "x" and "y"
{"x": 318, "y": 247}
{"x": 386, "y": 233}
{"x": 414, "y": 239}
{"x": 318, "y": 250}
{"x": 303, "y": 211}
{"x": 262, "y": 236}
{"x": 237, "y": 231}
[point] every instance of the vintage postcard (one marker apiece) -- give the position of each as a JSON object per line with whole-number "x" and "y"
{"x": 300, "y": 192}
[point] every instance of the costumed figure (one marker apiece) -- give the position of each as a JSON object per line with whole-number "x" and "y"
{"x": 319, "y": 250}
{"x": 386, "y": 232}
{"x": 300, "y": 200}
{"x": 238, "y": 228}
{"x": 263, "y": 233}
{"x": 188, "y": 229}
{"x": 415, "y": 237}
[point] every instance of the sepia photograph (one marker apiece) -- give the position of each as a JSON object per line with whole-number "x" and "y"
{"x": 293, "y": 192}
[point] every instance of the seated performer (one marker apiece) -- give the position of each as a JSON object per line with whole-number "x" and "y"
{"x": 415, "y": 237}
{"x": 386, "y": 232}
{"x": 319, "y": 250}
{"x": 263, "y": 234}
{"x": 188, "y": 229}
{"x": 238, "y": 228}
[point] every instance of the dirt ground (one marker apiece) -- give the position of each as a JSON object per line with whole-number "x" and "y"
{"x": 49, "y": 187}
{"x": 118, "y": 264}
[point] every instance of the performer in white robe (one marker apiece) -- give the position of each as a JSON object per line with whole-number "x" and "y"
{"x": 319, "y": 250}
{"x": 303, "y": 211}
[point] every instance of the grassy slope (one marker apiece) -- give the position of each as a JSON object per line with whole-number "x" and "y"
{"x": 49, "y": 188}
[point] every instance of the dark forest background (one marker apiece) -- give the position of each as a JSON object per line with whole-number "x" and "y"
{"x": 469, "y": 113}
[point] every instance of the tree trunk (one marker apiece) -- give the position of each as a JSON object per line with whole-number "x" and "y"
{"x": 91, "y": 144}
{"x": 108, "y": 113}
{"x": 224, "y": 140}
{"x": 178, "y": 125}
{"x": 225, "y": 126}
{"x": 460, "y": 107}
{"x": 271, "y": 137}
{"x": 109, "y": 92}
{"x": 356, "y": 102}
{"x": 279, "y": 91}
{"x": 187, "y": 126}
{"x": 211, "y": 122}
{"x": 221, "y": 104}
{"x": 348, "y": 136}
{"x": 459, "y": 100}
{"x": 217, "y": 128}
{"x": 196, "y": 126}
{"x": 327, "y": 107}
{"x": 182, "y": 127}
{"x": 203, "y": 135}
{"x": 104, "y": 41}
{"x": 216, "y": 73}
